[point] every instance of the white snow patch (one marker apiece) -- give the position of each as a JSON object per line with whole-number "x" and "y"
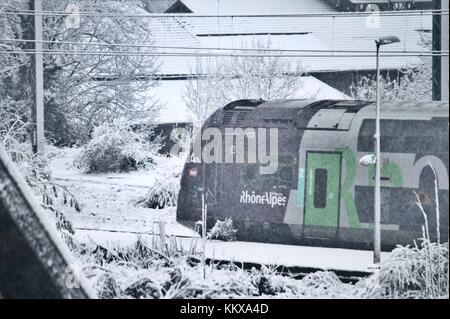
{"x": 262, "y": 253}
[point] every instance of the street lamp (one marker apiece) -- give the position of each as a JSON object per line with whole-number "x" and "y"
{"x": 377, "y": 204}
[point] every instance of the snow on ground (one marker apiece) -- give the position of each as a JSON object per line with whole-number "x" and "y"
{"x": 261, "y": 253}
{"x": 109, "y": 217}
{"x": 107, "y": 200}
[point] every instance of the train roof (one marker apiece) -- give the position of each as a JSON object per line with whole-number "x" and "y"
{"x": 253, "y": 104}
{"x": 297, "y": 112}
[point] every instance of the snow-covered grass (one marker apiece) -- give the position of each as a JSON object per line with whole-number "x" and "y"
{"x": 107, "y": 200}
{"x": 164, "y": 190}
{"x": 415, "y": 272}
{"x": 142, "y": 268}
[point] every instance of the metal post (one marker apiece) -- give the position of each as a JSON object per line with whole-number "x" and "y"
{"x": 204, "y": 222}
{"x": 440, "y": 43}
{"x": 39, "y": 67}
{"x": 162, "y": 236}
{"x": 377, "y": 200}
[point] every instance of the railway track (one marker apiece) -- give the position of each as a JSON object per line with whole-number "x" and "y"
{"x": 296, "y": 272}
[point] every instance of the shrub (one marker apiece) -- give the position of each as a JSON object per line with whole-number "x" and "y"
{"x": 164, "y": 190}
{"x": 223, "y": 230}
{"x": 116, "y": 147}
{"x": 413, "y": 272}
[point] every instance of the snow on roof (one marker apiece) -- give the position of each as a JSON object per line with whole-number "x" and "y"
{"x": 334, "y": 33}
{"x": 187, "y": 65}
{"x": 256, "y": 6}
{"x": 171, "y": 32}
{"x": 298, "y": 33}
{"x": 279, "y": 41}
{"x": 170, "y": 95}
{"x": 284, "y": 41}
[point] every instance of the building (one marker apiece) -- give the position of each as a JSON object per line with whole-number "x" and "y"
{"x": 335, "y": 49}
{"x": 332, "y": 37}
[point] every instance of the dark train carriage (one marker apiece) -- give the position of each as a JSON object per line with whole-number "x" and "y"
{"x": 319, "y": 194}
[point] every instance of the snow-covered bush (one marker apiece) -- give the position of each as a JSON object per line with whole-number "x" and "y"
{"x": 165, "y": 188}
{"x": 223, "y": 230}
{"x": 115, "y": 147}
{"x": 415, "y": 272}
{"x": 163, "y": 192}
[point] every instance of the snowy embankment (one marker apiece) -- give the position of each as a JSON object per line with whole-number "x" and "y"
{"x": 123, "y": 255}
{"x": 107, "y": 201}
{"x": 109, "y": 216}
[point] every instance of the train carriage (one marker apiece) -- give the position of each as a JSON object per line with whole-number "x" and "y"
{"x": 319, "y": 194}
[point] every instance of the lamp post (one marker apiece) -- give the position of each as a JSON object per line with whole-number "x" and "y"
{"x": 377, "y": 199}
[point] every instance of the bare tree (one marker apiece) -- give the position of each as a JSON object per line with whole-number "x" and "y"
{"x": 241, "y": 77}
{"x": 202, "y": 94}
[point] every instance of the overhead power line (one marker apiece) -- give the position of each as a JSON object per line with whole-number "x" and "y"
{"x": 196, "y": 48}
{"x": 189, "y": 15}
{"x": 211, "y": 54}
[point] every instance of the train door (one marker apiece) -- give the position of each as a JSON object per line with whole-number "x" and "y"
{"x": 323, "y": 171}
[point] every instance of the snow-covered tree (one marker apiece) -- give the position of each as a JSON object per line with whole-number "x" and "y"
{"x": 248, "y": 76}
{"x": 87, "y": 89}
{"x": 202, "y": 94}
{"x": 88, "y": 79}
{"x": 413, "y": 83}
{"x": 15, "y": 79}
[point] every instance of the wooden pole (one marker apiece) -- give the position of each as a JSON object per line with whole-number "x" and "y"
{"x": 39, "y": 79}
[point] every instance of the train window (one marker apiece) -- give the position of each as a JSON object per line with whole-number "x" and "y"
{"x": 320, "y": 188}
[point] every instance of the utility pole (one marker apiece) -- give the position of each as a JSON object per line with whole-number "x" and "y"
{"x": 377, "y": 194}
{"x": 440, "y": 43}
{"x": 38, "y": 140}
